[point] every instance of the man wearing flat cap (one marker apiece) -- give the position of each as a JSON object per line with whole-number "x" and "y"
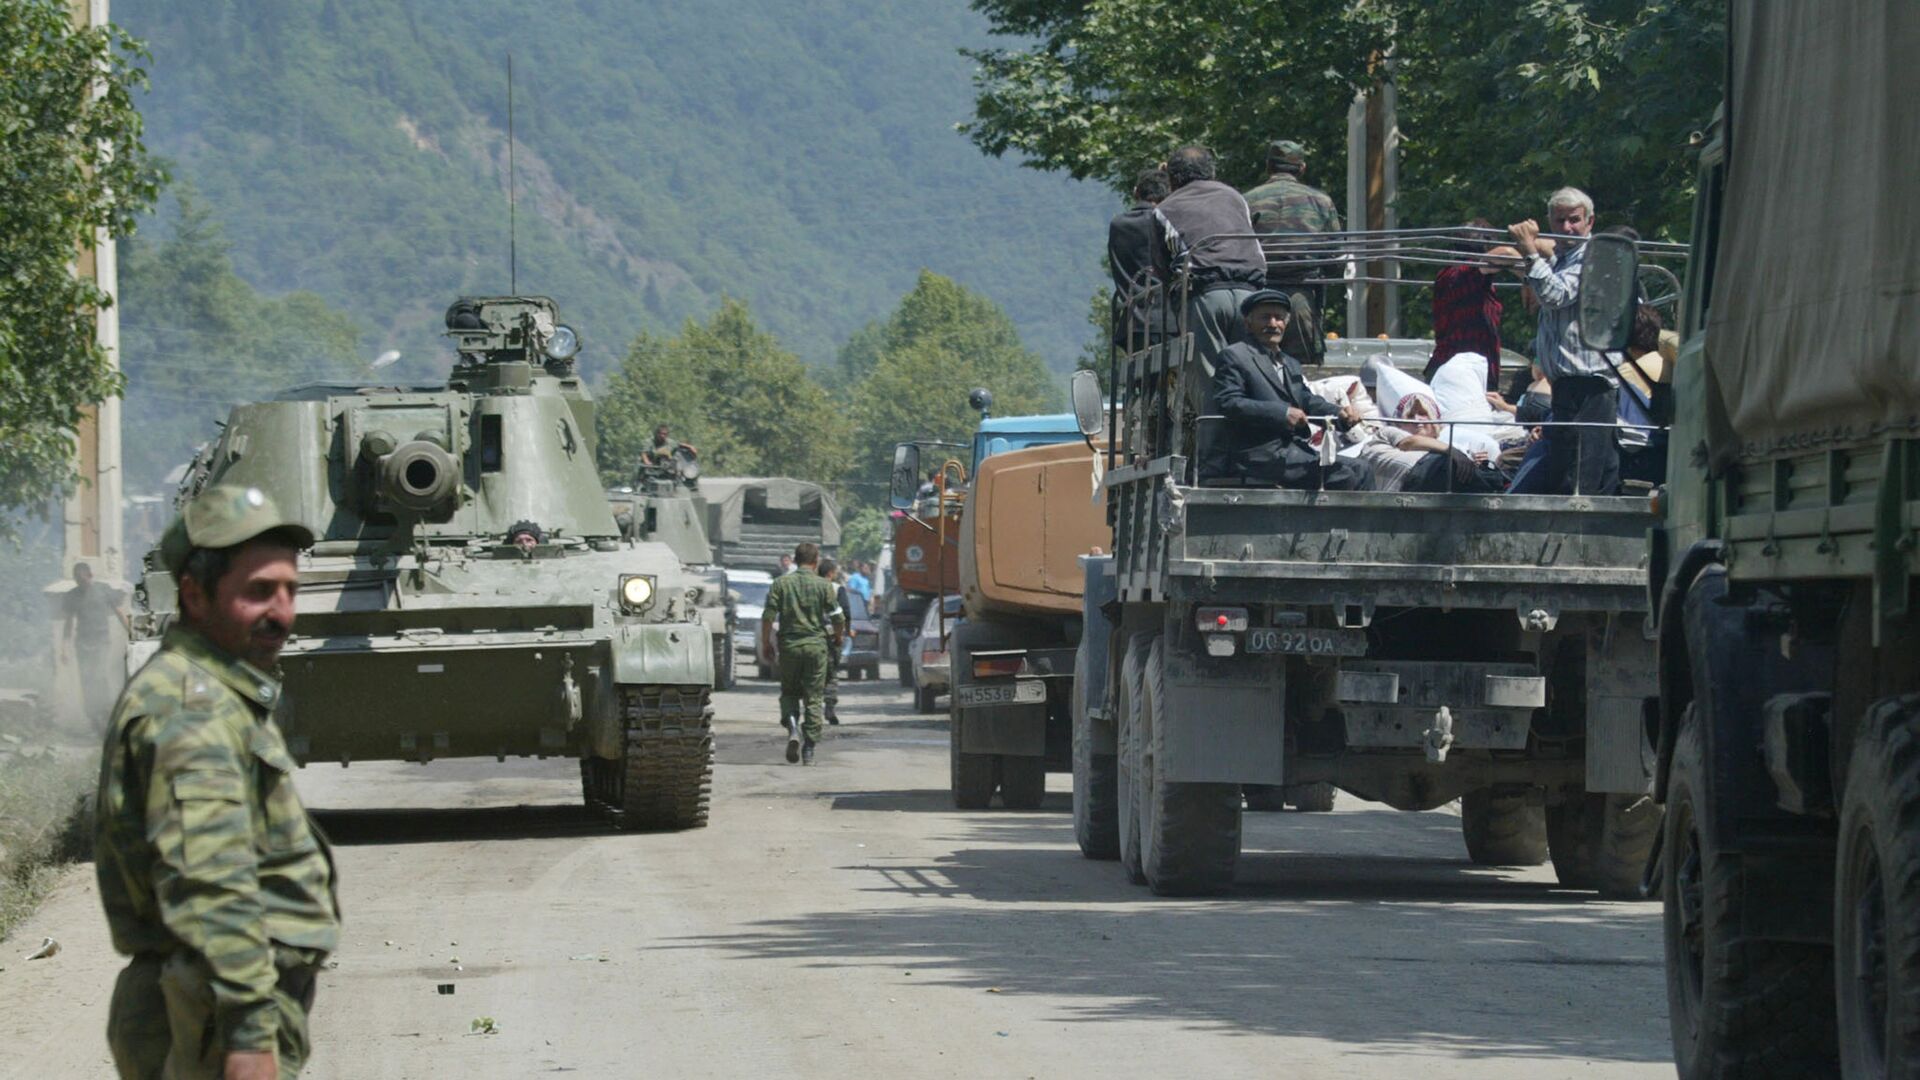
{"x": 1286, "y": 204}
{"x": 1266, "y": 406}
{"x": 214, "y": 880}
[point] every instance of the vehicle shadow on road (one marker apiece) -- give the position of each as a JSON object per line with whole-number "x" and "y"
{"x": 1396, "y": 952}
{"x": 348, "y": 828}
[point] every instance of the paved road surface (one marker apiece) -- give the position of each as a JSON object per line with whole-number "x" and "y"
{"x": 845, "y": 921}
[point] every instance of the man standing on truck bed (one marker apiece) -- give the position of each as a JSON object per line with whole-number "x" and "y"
{"x": 1224, "y": 272}
{"x": 805, "y": 608}
{"x": 1582, "y": 459}
{"x": 1286, "y": 204}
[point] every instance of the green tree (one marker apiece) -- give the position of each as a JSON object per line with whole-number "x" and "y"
{"x": 731, "y": 390}
{"x": 863, "y": 531}
{"x": 196, "y": 339}
{"x": 71, "y": 164}
{"x": 940, "y": 343}
{"x": 1498, "y": 103}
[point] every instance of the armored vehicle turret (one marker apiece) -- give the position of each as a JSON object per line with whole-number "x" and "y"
{"x": 470, "y": 594}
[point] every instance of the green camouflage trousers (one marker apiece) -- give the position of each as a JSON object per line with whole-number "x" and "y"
{"x": 803, "y": 678}
{"x": 160, "y": 1022}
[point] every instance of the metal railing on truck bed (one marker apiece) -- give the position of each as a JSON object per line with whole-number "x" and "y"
{"x": 1177, "y": 536}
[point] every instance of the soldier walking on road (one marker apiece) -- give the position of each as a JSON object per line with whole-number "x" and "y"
{"x": 830, "y": 571}
{"x": 214, "y": 880}
{"x": 807, "y": 613}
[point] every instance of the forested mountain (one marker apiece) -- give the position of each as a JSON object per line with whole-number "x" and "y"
{"x": 800, "y": 156}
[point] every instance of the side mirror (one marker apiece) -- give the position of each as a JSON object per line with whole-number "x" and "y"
{"x": 905, "y": 482}
{"x": 1609, "y": 288}
{"x": 1089, "y": 405}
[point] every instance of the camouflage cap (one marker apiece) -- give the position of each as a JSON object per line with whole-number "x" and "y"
{"x": 1286, "y": 152}
{"x": 223, "y": 516}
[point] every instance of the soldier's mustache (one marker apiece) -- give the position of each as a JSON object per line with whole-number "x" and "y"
{"x": 268, "y": 626}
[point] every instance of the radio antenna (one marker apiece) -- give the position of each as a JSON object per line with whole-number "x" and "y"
{"x": 513, "y": 253}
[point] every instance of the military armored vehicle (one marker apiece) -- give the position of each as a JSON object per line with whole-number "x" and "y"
{"x": 423, "y": 631}
{"x": 1785, "y": 561}
{"x": 664, "y": 504}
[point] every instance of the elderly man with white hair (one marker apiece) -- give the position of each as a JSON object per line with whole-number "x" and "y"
{"x": 1583, "y": 460}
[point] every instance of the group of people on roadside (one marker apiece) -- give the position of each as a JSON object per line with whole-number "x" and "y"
{"x": 1580, "y": 420}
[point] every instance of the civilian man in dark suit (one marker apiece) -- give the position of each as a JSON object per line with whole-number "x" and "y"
{"x": 1264, "y": 399}
{"x": 1130, "y": 237}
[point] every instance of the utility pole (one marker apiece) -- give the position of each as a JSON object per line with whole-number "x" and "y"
{"x": 93, "y": 513}
{"x": 1373, "y": 187}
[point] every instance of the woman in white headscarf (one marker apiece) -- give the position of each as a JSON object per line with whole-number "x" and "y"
{"x": 1415, "y": 439}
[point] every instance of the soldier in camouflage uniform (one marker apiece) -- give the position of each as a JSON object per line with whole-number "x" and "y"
{"x": 1285, "y": 203}
{"x": 805, "y": 608}
{"x": 214, "y": 880}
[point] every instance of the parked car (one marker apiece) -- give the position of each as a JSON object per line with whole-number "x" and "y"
{"x": 860, "y": 649}
{"x": 749, "y": 589}
{"x": 929, "y": 655}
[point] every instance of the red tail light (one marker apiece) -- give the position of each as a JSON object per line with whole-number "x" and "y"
{"x": 987, "y": 667}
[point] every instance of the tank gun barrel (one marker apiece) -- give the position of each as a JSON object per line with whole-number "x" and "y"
{"x": 419, "y": 478}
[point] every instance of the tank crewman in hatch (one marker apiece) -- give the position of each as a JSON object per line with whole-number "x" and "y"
{"x": 807, "y": 611}
{"x": 526, "y": 535}
{"x": 214, "y": 880}
{"x": 1285, "y": 203}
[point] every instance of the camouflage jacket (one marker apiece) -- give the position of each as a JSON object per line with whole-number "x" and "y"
{"x": 1286, "y": 205}
{"x": 200, "y": 840}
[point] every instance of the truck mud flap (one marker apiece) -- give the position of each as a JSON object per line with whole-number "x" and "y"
{"x": 1018, "y": 730}
{"x": 1225, "y": 719}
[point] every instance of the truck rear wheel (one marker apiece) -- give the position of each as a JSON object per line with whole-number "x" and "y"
{"x": 1600, "y": 841}
{"x": 1738, "y": 1006}
{"x": 1189, "y": 832}
{"x": 1023, "y": 782}
{"x": 1876, "y": 904}
{"x": 1503, "y": 828}
{"x": 1127, "y": 786}
{"x": 973, "y": 776}
{"x": 1315, "y": 798}
{"x": 1096, "y": 818}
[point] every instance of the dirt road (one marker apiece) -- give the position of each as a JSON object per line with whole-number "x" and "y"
{"x": 845, "y": 921}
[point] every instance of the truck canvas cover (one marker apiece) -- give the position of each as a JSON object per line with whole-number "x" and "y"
{"x": 1814, "y": 328}
{"x": 727, "y": 499}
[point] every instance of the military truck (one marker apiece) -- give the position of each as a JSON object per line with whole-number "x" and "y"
{"x": 664, "y": 504}
{"x": 1030, "y": 510}
{"x": 752, "y": 521}
{"x": 1409, "y": 648}
{"x": 1783, "y": 562}
{"x": 422, "y": 632}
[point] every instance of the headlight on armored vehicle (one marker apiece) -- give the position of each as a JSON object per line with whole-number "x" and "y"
{"x": 562, "y": 343}
{"x": 636, "y": 591}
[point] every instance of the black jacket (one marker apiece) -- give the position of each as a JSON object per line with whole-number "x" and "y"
{"x": 1253, "y": 398}
{"x": 1130, "y": 238}
{"x": 1193, "y": 218}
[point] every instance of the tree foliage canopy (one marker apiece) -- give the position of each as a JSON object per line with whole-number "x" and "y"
{"x": 71, "y": 164}
{"x": 196, "y": 340}
{"x": 940, "y": 343}
{"x": 729, "y": 388}
{"x": 1498, "y": 103}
